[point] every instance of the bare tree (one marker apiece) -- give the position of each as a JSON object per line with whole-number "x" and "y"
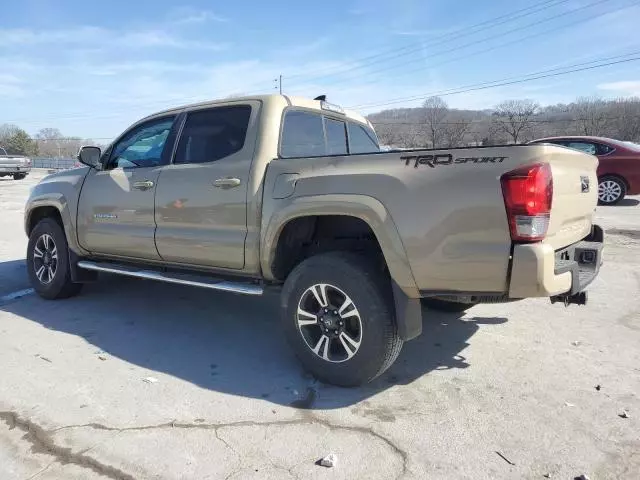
{"x": 435, "y": 112}
{"x": 455, "y": 130}
{"x": 591, "y": 115}
{"x": 515, "y": 117}
{"x": 625, "y": 116}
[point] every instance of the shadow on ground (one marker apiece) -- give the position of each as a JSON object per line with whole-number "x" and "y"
{"x": 627, "y": 202}
{"x": 228, "y": 343}
{"x": 13, "y": 276}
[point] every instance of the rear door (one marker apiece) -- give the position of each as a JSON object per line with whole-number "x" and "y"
{"x": 201, "y": 200}
{"x": 116, "y": 205}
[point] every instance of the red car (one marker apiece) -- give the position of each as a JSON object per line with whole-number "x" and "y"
{"x": 619, "y": 169}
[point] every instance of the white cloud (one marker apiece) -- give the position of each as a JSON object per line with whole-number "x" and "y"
{"x": 190, "y": 15}
{"x": 626, "y": 87}
{"x": 87, "y": 35}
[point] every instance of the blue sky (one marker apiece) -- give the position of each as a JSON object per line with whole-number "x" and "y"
{"x": 92, "y": 68}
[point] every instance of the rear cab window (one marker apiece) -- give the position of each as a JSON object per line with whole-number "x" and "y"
{"x": 362, "y": 139}
{"x": 310, "y": 134}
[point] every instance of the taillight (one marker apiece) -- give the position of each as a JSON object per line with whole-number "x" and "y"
{"x": 528, "y": 192}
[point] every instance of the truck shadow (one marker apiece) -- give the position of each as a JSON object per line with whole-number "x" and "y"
{"x": 228, "y": 343}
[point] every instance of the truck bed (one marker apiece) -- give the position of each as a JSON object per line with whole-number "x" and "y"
{"x": 448, "y": 205}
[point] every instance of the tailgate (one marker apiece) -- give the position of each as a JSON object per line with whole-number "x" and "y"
{"x": 575, "y": 195}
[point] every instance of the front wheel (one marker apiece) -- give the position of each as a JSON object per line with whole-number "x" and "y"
{"x": 611, "y": 190}
{"x": 337, "y": 314}
{"x": 19, "y": 176}
{"x": 48, "y": 261}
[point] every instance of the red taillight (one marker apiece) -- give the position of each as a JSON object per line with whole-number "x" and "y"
{"x": 528, "y": 192}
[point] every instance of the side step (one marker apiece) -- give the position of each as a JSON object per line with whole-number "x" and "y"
{"x": 179, "y": 278}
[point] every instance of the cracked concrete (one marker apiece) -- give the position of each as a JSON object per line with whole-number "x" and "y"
{"x": 246, "y": 441}
{"x": 231, "y": 401}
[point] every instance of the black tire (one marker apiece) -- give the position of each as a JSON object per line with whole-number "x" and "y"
{"x": 19, "y": 176}
{"x": 611, "y": 190}
{"x": 371, "y": 295}
{"x": 60, "y": 286}
{"x": 446, "y": 306}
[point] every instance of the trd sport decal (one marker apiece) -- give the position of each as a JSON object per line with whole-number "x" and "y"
{"x": 446, "y": 159}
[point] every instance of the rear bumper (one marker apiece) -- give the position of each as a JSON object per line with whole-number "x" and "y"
{"x": 539, "y": 271}
{"x": 11, "y": 170}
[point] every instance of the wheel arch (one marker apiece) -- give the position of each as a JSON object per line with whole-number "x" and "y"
{"x": 56, "y": 206}
{"x": 616, "y": 175}
{"x": 371, "y": 213}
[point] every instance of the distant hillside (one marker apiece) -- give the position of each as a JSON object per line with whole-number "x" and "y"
{"x": 514, "y": 121}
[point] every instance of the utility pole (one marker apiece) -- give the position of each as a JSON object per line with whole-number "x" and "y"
{"x": 278, "y": 82}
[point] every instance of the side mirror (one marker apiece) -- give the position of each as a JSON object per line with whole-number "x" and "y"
{"x": 90, "y": 156}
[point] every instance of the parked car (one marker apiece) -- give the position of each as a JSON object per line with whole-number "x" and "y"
{"x": 275, "y": 191}
{"x": 16, "y": 166}
{"x": 619, "y": 169}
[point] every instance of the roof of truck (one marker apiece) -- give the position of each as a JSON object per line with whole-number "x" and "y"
{"x": 293, "y": 101}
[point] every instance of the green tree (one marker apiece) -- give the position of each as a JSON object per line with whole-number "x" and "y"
{"x": 16, "y": 141}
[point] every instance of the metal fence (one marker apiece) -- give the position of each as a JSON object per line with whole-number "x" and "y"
{"x": 52, "y": 163}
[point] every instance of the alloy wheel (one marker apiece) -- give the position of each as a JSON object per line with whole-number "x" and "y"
{"x": 329, "y": 323}
{"x": 45, "y": 259}
{"x": 609, "y": 191}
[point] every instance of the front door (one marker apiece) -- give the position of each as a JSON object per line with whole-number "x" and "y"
{"x": 201, "y": 200}
{"x": 116, "y": 207}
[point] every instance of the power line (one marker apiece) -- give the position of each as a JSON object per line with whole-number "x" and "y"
{"x": 476, "y": 42}
{"x": 446, "y": 38}
{"x": 496, "y": 83}
{"x": 496, "y": 47}
{"x": 417, "y": 46}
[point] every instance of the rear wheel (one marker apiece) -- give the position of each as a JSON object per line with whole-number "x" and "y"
{"x": 337, "y": 314}
{"x": 445, "y": 305}
{"x": 19, "y": 176}
{"x": 48, "y": 261}
{"x": 611, "y": 190}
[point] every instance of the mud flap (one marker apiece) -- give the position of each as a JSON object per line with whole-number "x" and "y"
{"x": 80, "y": 275}
{"x": 408, "y": 314}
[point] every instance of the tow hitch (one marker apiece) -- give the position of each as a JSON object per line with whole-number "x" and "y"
{"x": 579, "y": 298}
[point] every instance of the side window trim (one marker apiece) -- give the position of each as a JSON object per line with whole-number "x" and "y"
{"x": 111, "y": 149}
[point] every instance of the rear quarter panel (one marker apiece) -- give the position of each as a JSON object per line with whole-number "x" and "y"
{"x": 450, "y": 218}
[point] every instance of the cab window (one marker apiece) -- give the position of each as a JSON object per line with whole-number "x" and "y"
{"x": 361, "y": 139}
{"x": 143, "y": 146}
{"x": 302, "y": 135}
{"x": 213, "y": 134}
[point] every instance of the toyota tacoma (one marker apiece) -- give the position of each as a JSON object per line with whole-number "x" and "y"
{"x": 244, "y": 194}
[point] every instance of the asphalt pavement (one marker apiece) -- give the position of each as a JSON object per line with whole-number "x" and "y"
{"x": 140, "y": 380}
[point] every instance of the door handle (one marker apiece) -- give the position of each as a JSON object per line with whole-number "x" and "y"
{"x": 228, "y": 182}
{"x": 146, "y": 185}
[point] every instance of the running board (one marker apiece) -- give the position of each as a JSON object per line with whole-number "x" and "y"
{"x": 179, "y": 278}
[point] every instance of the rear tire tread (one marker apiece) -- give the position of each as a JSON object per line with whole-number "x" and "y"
{"x": 361, "y": 273}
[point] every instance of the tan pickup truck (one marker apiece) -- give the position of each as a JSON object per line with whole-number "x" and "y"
{"x": 246, "y": 193}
